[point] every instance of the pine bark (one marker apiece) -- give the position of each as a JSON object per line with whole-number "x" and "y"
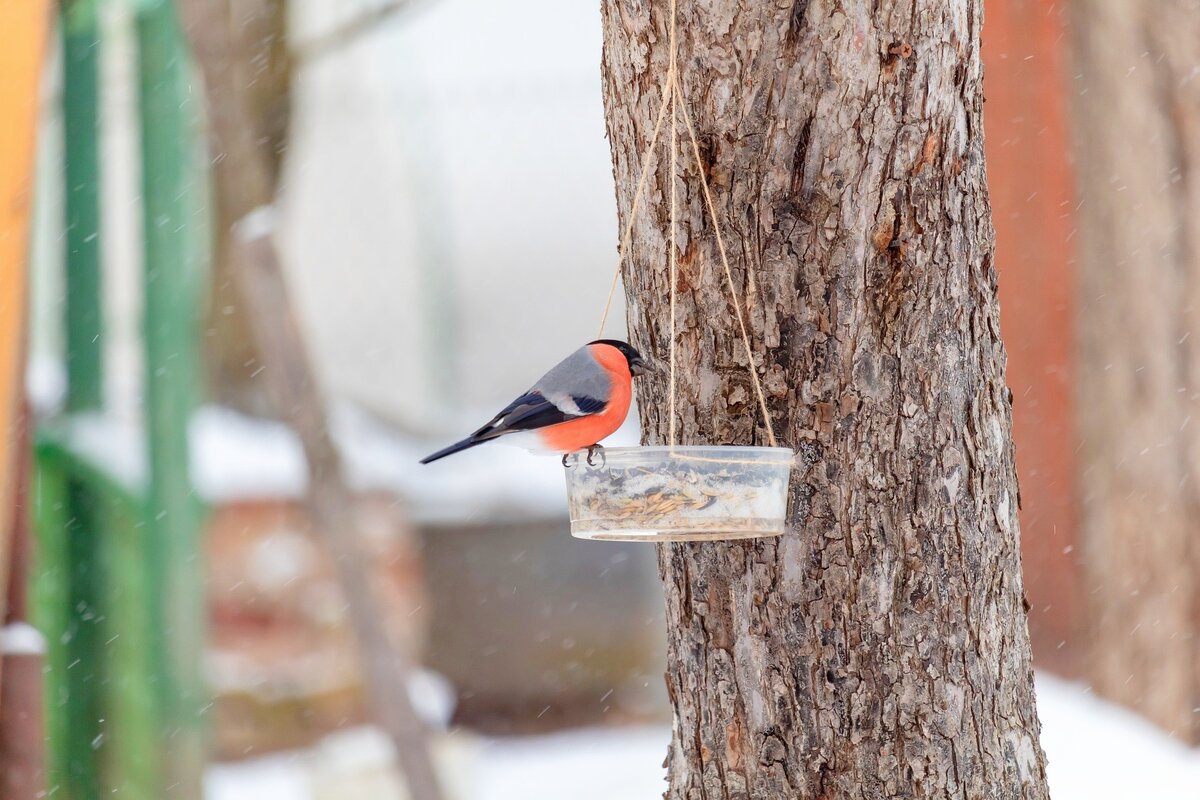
{"x": 1137, "y": 121}
{"x": 879, "y": 648}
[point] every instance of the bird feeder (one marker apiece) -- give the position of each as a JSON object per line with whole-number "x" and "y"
{"x": 679, "y": 494}
{"x": 676, "y": 493}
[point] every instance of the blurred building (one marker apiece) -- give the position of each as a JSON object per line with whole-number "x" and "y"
{"x": 450, "y": 224}
{"x": 448, "y": 218}
{"x": 450, "y": 214}
{"x": 449, "y": 227}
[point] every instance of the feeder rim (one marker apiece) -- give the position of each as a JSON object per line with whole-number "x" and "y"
{"x": 750, "y": 454}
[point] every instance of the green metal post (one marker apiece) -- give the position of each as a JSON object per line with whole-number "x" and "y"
{"x": 76, "y": 678}
{"x": 118, "y": 581}
{"x": 81, "y": 47}
{"x": 92, "y": 600}
{"x": 174, "y": 249}
{"x": 64, "y": 593}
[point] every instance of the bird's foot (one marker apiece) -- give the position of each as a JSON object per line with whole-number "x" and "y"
{"x": 570, "y": 459}
{"x": 592, "y": 451}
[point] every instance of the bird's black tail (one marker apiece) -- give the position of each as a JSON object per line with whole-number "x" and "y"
{"x": 457, "y": 447}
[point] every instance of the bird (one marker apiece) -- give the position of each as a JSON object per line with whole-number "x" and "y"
{"x": 572, "y": 407}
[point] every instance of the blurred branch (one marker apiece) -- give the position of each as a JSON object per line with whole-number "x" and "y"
{"x": 346, "y": 33}
{"x": 292, "y": 386}
{"x": 255, "y": 57}
{"x": 291, "y": 383}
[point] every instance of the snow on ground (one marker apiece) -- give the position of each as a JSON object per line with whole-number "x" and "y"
{"x": 278, "y": 777}
{"x": 595, "y": 764}
{"x": 1099, "y": 751}
{"x": 1096, "y": 751}
{"x": 588, "y": 764}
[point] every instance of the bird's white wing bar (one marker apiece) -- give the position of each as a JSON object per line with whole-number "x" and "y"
{"x": 567, "y": 404}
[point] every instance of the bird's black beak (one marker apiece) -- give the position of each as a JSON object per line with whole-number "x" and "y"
{"x": 641, "y": 366}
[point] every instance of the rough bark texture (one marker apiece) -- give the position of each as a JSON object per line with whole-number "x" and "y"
{"x": 1137, "y": 115}
{"x": 879, "y": 649}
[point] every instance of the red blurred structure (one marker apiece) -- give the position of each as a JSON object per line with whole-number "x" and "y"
{"x": 1031, "y": 182}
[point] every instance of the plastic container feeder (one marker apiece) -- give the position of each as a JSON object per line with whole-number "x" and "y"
{"x": 679, "y": 494}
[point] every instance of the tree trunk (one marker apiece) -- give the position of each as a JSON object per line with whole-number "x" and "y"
{"x": 1137, "y": 116}
{"x": 879, "y": 648}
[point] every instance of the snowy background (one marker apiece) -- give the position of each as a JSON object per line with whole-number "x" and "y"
{"x": 447, "y": 192}
{"x": 1095, "y": 751}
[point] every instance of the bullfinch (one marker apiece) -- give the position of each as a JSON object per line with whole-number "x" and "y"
{"x": 573, "y": 406}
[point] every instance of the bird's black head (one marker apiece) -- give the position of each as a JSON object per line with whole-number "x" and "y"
{"x": 637, "y": 364}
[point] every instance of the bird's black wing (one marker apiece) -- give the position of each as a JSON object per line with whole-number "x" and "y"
{"x": 528, "y": 412}
{"x": 533, "y": 410}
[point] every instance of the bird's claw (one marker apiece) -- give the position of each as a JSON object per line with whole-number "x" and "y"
{"x": 592, "y": 451}
{"x": 570, "y": 460}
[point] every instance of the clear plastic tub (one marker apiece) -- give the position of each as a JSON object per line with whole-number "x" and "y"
{"x": 674, "y": 494}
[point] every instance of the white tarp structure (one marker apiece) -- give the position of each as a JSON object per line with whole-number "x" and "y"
{"x": 450, "y": 219}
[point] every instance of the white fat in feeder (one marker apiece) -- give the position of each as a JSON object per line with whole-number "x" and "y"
{"x": 677, "y": 493}
{"x": 674, "y": 494}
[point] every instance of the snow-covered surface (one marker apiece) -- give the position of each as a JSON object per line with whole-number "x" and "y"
{"x": 589, "y": 764}
{"x": 1096, "y": 751}
{"x": 492, "y": 483}
{"x": 21, "y": 639}
{"x": 235, "y": 457}
{"x": 278, "y": 777}
{"x": 108, "y": 441}
{"x": 1099, "y": 751}
{"x": 603, "y": 764}
{"x": 45, "y": 383}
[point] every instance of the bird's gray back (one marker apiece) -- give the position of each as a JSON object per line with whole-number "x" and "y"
{"x": 577, "y": 375}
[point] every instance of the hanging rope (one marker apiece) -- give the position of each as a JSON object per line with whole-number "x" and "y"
{"x": 737, "y": 306}
{"x": 637, "y": 199}
{"x": 673, "y": 101}
{"x": 673, "y": 251}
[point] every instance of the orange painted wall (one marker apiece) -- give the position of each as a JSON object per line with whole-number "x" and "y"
{"x": 23, "y": 29}
{"x": 1029, "y": 174}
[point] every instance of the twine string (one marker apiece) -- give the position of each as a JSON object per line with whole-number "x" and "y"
{"x": 672, "y": 90}
{"x": 672, "y": 101}
{"x": 647, "y": 158}
{"x": 737, "y": 305}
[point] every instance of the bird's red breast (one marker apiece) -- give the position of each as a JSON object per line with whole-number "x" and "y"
{"x": 576, "y": 434}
